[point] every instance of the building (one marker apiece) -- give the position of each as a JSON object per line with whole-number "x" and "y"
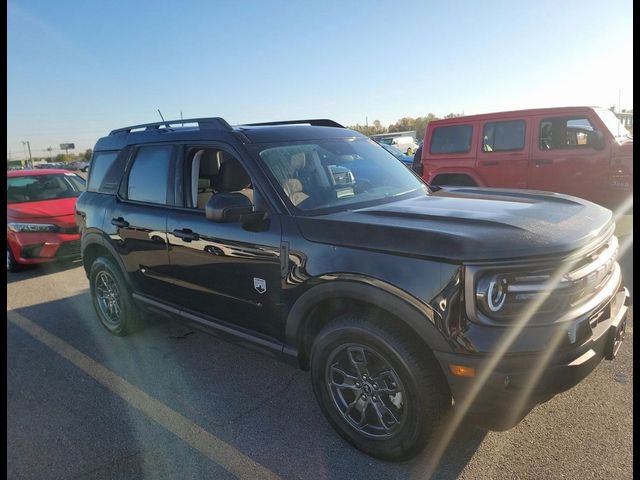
{"x": 626, "y": 118}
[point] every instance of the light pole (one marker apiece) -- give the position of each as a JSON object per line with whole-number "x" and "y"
{"x": 29, "y": 147}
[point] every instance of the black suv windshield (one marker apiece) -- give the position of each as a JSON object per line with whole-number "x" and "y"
{"x": 331, "y": 174}
{"x": 36, "y": 188}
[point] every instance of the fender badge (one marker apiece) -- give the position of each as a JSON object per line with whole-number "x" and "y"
{"x": 260, "y": 285}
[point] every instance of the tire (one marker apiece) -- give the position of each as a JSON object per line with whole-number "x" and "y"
{"x": 111, "y": 298}
{"x": 12, "y": 264}
{"x": 408, "y": 420}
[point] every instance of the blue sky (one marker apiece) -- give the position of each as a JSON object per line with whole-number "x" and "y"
{"x": 77, "y": 69}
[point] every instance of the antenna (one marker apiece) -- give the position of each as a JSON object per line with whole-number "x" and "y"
{"x": 181, "y": 117}
{"x": 161, "y": 115}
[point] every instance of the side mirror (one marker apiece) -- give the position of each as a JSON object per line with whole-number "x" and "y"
{"x": 597, "y": 140}
{"x": 227, "y": 207}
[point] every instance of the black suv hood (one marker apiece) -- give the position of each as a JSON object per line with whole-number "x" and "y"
{"x": 467, "y": 224}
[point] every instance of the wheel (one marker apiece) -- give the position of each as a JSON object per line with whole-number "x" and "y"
{"x": 111, "y": 297}
{"x": 381, "y": 390}
{"x": 12, "y": 263}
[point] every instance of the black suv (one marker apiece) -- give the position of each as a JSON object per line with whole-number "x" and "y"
{"x": 310, "y": 242}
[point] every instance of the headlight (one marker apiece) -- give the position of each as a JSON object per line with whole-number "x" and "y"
{"x": 32, "y": 227}
{"x": 492, "y": 292}
{"x": 503, "y": 297}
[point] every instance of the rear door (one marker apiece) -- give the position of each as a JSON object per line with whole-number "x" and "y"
{"x": 503, "y": 153}
{"x": 139, "y": 218}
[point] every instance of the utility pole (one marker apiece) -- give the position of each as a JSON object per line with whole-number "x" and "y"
{"x": 30, "y": 164}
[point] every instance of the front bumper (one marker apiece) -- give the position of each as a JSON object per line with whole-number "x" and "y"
{"x": 30, "y": 248}
{"x": 499, "y": 397}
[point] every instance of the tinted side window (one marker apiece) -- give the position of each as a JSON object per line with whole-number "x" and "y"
{"x": 149, "y": 175}
{"x": 100, "y": 164}
{"x": 576, "y": 132}
{"x": 503, "y": 136}
{"x": 454, "y": 139}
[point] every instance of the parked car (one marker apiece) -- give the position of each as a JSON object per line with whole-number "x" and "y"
{"x": 407, "y": 145}
{"x": 81, "y": 165}
{"x": 581, "y": 151}
{"x": 406, "y": 159}
{"x": 306, "y": 240}
{"x": 41, "y": 224}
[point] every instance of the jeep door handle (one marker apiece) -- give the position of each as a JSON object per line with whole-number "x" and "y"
{"x": 119, "y": 222}
{"x": 490, "y": 163}
{"x": 186, "y": 235}
{"x": 543, "y": 161}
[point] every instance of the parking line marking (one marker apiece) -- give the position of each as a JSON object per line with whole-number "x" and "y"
{"x": 206, "y": 443}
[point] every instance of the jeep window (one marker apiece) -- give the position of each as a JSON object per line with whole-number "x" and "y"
{"x": 149, "y": 175}
{"x": 563, "y": 133}
{"x": 36, "y": 188}
{"x": 338, "y": 174}
{"x": 453, "y": 139}
{"x": 100, "y": 164}
{"x": 503, "y": 136}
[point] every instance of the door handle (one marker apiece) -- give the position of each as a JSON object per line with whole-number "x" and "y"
{"x": 490, "y": 163}
{"x": 186, "y": 235}
{"x": 543, "y": 161}
{"x": 119, "y": 222}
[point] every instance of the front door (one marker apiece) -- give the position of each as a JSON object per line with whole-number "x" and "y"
{"x": 222, "y": 270}
{"x": 564, "y": 158}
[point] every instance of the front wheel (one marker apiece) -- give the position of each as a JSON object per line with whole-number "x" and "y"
{"x": 380, "y": 390}
{"x": 12, "y": 264}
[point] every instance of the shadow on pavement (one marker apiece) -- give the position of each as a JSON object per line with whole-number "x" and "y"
{"x": 31, "y": 271}
{"x": 264, "y": 408}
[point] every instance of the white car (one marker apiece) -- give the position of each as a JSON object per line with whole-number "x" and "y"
{"x": 407, "y": 145}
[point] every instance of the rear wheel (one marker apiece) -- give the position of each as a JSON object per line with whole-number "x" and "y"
{"x": 111, "y": 297}
{"x": 379, "y": 389}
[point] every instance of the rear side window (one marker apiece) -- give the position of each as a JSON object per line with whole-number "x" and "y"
{"x": 101, "y": 163}
{"x": 503, "y": 136}
{"x": 149, "y": 175}
{"x": 454, "y": 139}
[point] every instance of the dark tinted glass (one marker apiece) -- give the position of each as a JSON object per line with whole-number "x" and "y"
{"x": 454, "y": 139}
{"x": 149, "y": 174}
{"x": 100, "y": 164}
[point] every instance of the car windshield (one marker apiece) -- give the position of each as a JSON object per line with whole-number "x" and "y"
{"x": 34, "y": 188}
{"x": 613, "y": 123}
{"x": 338, "y": 174}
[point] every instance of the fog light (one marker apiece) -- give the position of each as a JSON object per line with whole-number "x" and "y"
{"x": 462, "y": 371}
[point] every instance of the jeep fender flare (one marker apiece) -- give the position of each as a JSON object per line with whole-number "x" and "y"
{"x": 418, "y": 316}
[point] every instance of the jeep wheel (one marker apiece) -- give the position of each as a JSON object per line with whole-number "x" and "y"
{"x": 380, "y": 391}
{"x": 111, "y": 298}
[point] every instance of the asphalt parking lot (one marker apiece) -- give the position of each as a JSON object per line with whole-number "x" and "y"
{"x": 173, "y": 402}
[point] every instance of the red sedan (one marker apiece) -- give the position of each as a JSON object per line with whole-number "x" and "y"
{"x": 40, "y": 216}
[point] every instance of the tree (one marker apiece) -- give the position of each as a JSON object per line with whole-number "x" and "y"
{"x": 452, "y": 115}
{"x": 421, "y": 125}
{"x": 87, "y": 154}
{"x": 63, "y": 158}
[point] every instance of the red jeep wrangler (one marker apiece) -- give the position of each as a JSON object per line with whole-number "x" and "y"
{"x": 581, "y": 151}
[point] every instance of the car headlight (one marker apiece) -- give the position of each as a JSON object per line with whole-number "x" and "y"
{"x": 503, "y": 297}
{"x": 32, "y": 227}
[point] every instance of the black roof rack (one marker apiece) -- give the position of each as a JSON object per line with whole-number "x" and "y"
{"x": 216, "y": 123}
{"x": 318, "y": 122}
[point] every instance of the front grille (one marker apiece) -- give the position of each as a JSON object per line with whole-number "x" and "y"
{"x": 69, "y": 249}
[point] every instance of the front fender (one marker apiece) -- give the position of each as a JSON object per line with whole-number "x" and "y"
{"x": 419, "y": 317}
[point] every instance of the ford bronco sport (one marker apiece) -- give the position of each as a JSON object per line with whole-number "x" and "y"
{"x": 312, "y": 243}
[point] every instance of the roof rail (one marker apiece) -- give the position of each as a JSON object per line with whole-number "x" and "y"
{"x": 216, "y": 123}
{"x": 318, "y": 122}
